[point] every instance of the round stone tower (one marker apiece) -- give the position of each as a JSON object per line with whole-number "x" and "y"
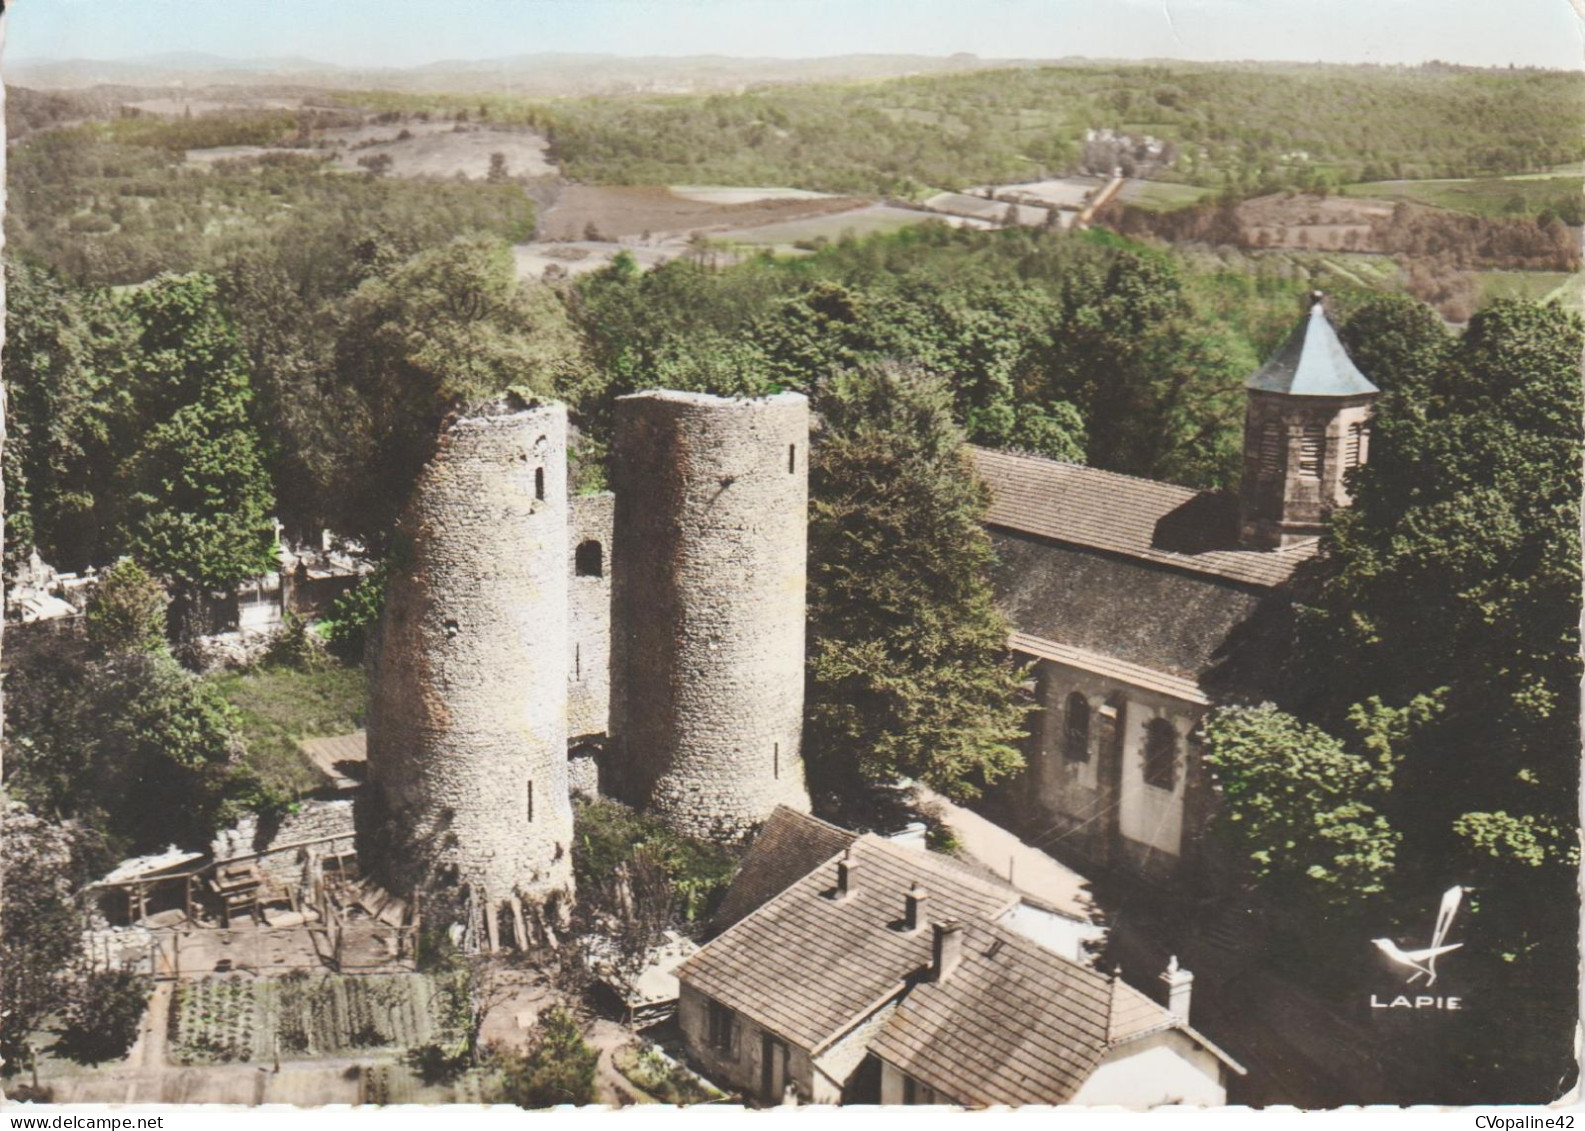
{"x": 708, "y": 607}
{"x": 467, "y": 722}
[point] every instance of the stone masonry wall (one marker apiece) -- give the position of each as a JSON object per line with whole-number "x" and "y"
{"x": 589, "y": 670}
{"x": 1285, "y": 504}
{"x": 708, "y": 607}
{"x": 467, "y": 723}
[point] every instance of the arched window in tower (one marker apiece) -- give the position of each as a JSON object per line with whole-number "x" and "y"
{"x": 1161, "y": 754}
{"x": 1076, "y": 734}
{"x": 1312, "y": 445}
{"x": 1272, "y": 442}
{"x": 1356, "y": 444}
{"x": 588, "y": 560}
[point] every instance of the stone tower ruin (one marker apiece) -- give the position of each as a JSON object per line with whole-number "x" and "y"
{"x": 467, "y": 723}
{"x": 708, "y": 607}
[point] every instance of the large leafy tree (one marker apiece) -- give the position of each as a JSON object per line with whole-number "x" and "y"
{"x": 907, "y": 671}
{"x": 1456, "y": 575}
{"x": 199, "y": 510}
{"x": 449, "y": 327}
{"x": 1158, "y": 387}
{"x": 41, "y": 865}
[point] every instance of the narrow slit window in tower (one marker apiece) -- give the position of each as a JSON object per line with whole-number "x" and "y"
{"x": 792, "y": 458}
{"x": 775, "y": 760}
{"x": 577, "y": 661}
{"x": 530, "y": 800}
{"x": 1311, "y": 444}
{"x": 539, "y": 483}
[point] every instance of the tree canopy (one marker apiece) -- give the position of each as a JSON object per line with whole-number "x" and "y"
{"x": 907, "y": 665}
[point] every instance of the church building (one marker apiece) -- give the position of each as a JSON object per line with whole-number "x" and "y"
{"x": 1141, "y": 604}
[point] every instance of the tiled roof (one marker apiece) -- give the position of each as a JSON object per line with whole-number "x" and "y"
{"x": 1158, "y": 523}
{"x": 1013, "y": 1024}
{"x": 1136, "y": 674}
{"x": 787, "y": 848}
{"x": 808, "y": 966}
{"x": 1312, "y": 363}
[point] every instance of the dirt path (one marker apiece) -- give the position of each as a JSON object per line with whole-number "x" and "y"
{"x": 148, "y": 1051}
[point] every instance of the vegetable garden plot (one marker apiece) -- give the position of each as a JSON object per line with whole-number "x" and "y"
{"x": 241, "y": 1019}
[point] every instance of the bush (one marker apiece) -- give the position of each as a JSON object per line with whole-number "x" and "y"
{"x": 353, "y": 616}
{"x": 127, "y": 610}
{"x": 612, "y": 839}
{"x": 294, "y": 645}
{"x": 557, "y": 1068}
{"x": 106, "y": 1010}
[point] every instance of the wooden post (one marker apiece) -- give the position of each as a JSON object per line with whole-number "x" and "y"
{"x": 519, "y": 923}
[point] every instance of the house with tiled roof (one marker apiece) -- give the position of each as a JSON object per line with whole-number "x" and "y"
{"x": 891, "y": 974}
{"x": 1138, "y": 605}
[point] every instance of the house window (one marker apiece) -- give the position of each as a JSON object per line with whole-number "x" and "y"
{"x": 1312, "y": 442}
{"x": 588, "y": 560}
{"x": 1356, "y": 445}
{"x": 1076, "y": 737}
{"x": 1161, "y": 754}
{"x": 721, "y": 1025}
{"x": 1272, "y": 442}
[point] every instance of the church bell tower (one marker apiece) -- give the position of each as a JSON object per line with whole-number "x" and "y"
{"x": 1306, "y": 424}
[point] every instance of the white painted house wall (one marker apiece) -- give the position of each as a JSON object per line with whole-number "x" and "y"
{"x": 1164, "y": 1068}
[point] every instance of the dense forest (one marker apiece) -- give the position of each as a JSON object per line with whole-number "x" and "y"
{"x": 194, "y": 352}
{"x": 1244, "y": 125}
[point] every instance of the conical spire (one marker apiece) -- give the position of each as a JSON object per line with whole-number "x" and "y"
{"x": 1312, "y": 363}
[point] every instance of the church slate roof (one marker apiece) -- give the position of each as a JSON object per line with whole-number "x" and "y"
{"x": 1158, "y": 523}
{"x": 1138, "y": 574}
{"x": 1312, "y": 363}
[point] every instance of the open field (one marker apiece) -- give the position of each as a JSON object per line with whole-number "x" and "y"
{"x": 859, "y": 222}
{"x": 579, "y": 257}
{"x": 993, "y": 212}
{"x": 1487, "y": 196}
{"x": 1065, "y": 192}
{"x": 1162, "y": 196}
{"x": 416, "y": 149}
{"x": 613, "y": 212}
{"x": 732, "y": 194}
{"x": 1540, "y": 286}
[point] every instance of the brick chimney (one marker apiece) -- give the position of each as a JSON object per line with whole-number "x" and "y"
{"x": 845, "y": 869}
{"x": 1180, "y": 985}
{"x": 946, "y": 949}
{"x": 914, "y": 907}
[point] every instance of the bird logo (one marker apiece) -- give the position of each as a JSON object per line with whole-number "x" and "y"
{"x": 1423, "y": 962}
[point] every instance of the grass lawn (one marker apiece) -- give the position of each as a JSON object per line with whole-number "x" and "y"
{"x": 1487, "y": 196}
{"x": 281, "y": 705}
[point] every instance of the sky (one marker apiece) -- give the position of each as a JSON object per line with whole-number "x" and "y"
{"x": 399, "y": 33}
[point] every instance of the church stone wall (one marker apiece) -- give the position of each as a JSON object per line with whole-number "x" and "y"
{"x": 708, "y": 607}
{"x": 467, "y": 725}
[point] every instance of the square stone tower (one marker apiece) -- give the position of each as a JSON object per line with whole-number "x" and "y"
{"x": 1306, "y": 424}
